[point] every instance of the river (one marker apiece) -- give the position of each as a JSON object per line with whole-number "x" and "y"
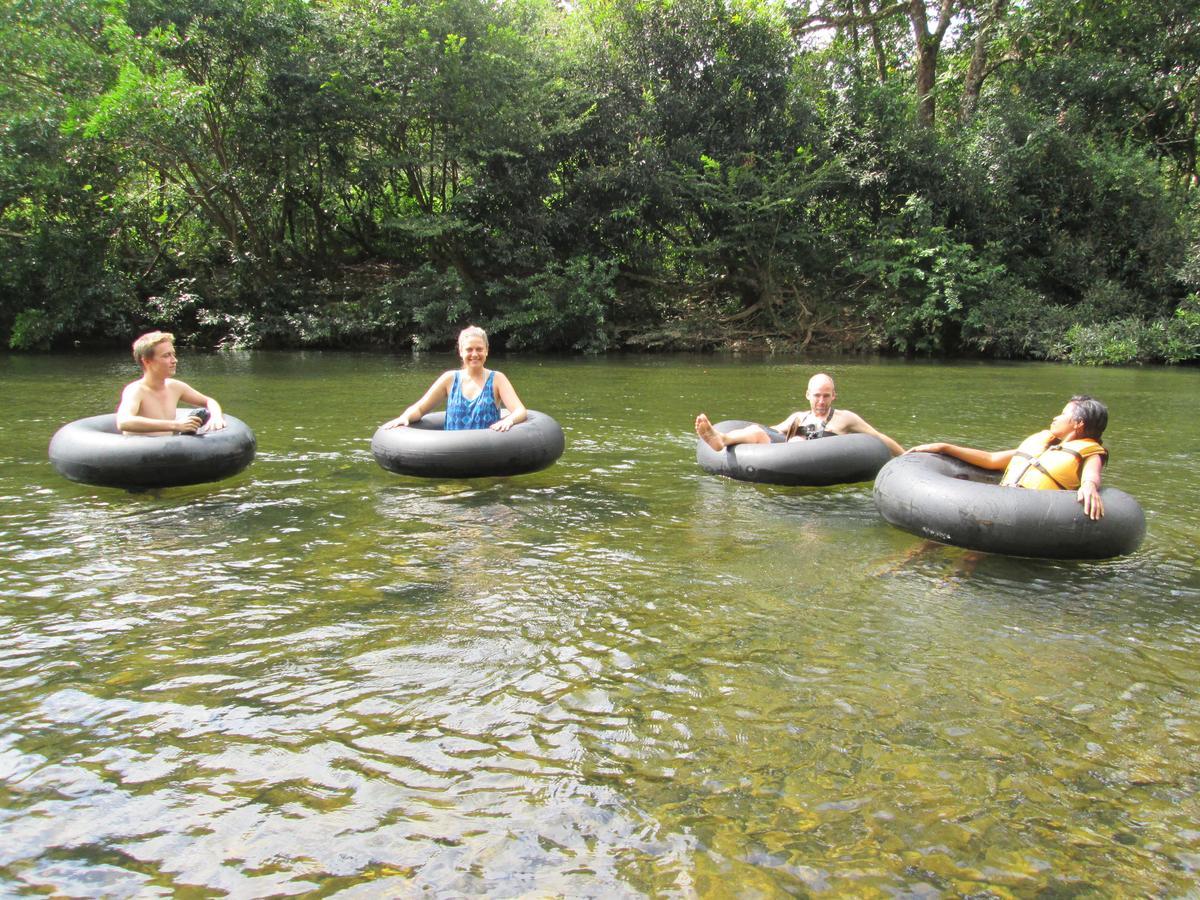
{"x": 618, "y": 677}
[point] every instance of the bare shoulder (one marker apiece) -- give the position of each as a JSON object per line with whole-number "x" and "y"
{"x": 176, "y": 388}
{"x": 132, "y": 396}
{"x": 847, "y": 420}
{"x": 441, "y": 385}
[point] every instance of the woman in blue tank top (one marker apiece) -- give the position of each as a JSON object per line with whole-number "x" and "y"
{"x": 473, "y": 394}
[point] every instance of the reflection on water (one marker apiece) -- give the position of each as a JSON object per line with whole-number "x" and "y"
{"x": 617, "y": 677}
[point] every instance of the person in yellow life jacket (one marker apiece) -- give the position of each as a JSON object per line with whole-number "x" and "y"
{"x": 1067, "y": 456}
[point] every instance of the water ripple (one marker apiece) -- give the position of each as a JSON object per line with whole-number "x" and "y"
{"x": 617, "y": 677}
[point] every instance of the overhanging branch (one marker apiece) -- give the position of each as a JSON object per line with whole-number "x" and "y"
{"x": 817, "y": 23}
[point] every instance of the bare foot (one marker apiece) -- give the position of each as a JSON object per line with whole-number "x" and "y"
{"x": 708, "y": 434}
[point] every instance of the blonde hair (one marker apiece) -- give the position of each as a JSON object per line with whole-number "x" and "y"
{"x": 472, "y": 331}
{"x": 143, "y": 347}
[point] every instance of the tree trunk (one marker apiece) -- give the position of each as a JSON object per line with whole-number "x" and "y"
{"x": 876, "y": 41}
{"x": 927, "y": 44}
{"x": 977, "y": 71}
{"x": 925, "y": 64}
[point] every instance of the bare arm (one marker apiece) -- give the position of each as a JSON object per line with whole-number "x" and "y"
{"x": 510, "y": 401}
{"x": 437, "y": 392}
{"x": 131, "y": 420}
{"x": 783, "y": 426}
{"x": 856, "y": 423}
{"x": 1089, "y": 487}
{"x": 982, "y": 458}
{"x": 216, "y": 416}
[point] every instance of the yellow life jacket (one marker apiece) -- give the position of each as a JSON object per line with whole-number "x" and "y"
{"x": 1044, "y": 463}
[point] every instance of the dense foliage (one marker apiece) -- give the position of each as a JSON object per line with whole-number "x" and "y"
{"x": 960, "y": 176}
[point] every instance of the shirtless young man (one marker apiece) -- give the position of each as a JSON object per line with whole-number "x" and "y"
{"x": 148, "y": 404}
{"x": 821, "y": 420}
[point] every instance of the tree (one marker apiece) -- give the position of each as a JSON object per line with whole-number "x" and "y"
{"x": 927, "y": 37}
{"x": 61, "y": 209}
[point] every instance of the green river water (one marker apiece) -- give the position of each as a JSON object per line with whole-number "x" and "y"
{"x": 618, "y": 677}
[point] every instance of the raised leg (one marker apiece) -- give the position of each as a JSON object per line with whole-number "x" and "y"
{"x": 750, "y": 434}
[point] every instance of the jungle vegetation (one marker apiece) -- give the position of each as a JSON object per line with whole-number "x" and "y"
{"x": 1009, "y": 178}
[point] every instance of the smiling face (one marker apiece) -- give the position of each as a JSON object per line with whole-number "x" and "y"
{"x": 473, "y": 351}
{"x": 820, "y": 395}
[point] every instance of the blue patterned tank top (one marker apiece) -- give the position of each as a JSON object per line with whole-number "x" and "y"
{"x": 463, "y": 414}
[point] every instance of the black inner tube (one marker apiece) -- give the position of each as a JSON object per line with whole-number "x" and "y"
{"x": 93, "y": 451}
{"x": 426, "y": 450}
{"x": 950, "y": 501}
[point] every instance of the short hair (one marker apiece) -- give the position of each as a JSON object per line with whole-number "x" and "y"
{"x": 817, "y": 376}
{"x": 1091, "y": 413}
{"x": 472, "y": 331}
{"x": 143, "y": 347}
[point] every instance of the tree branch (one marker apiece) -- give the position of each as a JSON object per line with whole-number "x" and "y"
{"x": 817, "y": 23}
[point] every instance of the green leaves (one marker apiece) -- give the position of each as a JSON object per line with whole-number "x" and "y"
{"x": 928, "y": 279}
{"x": 695, "y": 172}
